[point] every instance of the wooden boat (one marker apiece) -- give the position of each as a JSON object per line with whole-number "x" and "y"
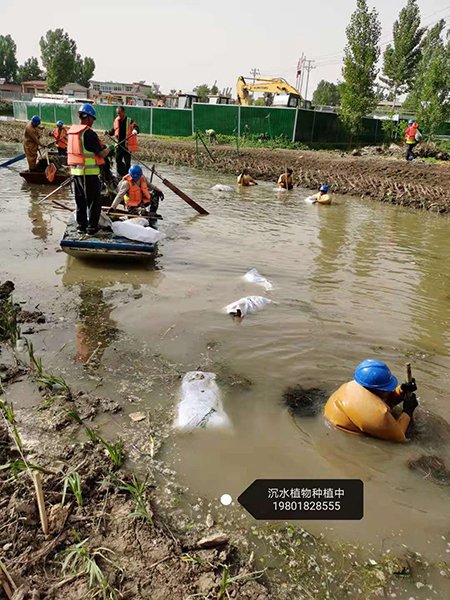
{"x": 40, "y": 178}
{"x": 105, "y": 245}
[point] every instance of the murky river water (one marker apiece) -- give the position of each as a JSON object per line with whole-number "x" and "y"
{"x": 353, "y": 280}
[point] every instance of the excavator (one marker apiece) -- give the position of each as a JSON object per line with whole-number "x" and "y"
{"x": 284, "y": 93}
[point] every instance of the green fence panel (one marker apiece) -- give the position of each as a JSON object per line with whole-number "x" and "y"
{"x": 20, "y": 110}
{"x": 48, "y": 113}
{"x": 140, "y": 115}
{"x": 63, "y": 113}
{"x": 32, "y": 109}
{"x": 272, "y": 122}
{"x": 223, "y": 118}
{"x": 172, "y": 121}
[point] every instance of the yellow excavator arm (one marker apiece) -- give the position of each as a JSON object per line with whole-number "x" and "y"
{"x": 273, "y": 86}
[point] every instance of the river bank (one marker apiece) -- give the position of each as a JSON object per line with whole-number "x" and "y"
{"x": 420, "y": 184}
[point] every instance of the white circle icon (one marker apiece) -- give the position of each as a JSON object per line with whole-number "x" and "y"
{"x": 226, "y": 499}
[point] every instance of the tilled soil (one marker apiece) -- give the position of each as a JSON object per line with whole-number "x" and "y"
{"x": 416, "y": 184}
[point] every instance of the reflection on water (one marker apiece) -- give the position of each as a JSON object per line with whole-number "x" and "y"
{"x": 38, "y": 215}
{"x": 353, "y": 280}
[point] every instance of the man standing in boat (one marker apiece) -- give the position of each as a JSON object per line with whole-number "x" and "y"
{"x": 125, "y": 131}
{"x": 60, "y": 135}
{"x": 136, "y": 193}
{"x": 32, "y": 141}
{"x": 85, "y": 154}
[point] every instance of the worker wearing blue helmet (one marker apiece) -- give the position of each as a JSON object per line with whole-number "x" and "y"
{"x": 32, "y": 141}
{"x": 85, "y": 155}
{"x": 322, "y": 196}
{"x": 137, "y": 194}
{"x": 365, "y": 404}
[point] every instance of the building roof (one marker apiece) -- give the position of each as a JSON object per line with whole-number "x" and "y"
{"x": 75, "y": 86}
{"x": 34, "y": 82}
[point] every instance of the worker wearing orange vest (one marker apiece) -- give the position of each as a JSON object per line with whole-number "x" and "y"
{"x": 85, "y": 155}
{"x": 412, "y": 137}
{"x": 60, "y": 135}
{"x": 125, "y": 131}
{"x": 364, "y": 405}
{"x": 135, "y": 192}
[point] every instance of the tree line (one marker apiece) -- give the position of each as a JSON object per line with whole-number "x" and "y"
{"x": 416, "y": 64}
{"x": 61, "y": 62}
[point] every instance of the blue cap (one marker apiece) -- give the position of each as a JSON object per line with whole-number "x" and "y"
{"x": 411, "y": 121}
{"x": 324, "y": 188}
{"x": 59, "y": 123}
{"x": 375, "y": 375}
{"x": 87, "y": 110}
{"x": 36, "y": 120}
{"x": 135, "y": 172}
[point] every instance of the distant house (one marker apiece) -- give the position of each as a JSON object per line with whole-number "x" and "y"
{"x": 34, "y": 87}
{"x": 114, "y": 92}
{"x": 9, "y": 87}
{"x": 76, "y": 90}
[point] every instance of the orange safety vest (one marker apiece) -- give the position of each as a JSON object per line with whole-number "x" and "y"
{"x": 81, "y": 161}
{"x": 355, "y": 409}
{"x": 137, "y": 192}
{"x": 61, "y": 137}
{"x": 410, "y": 134}
{"x": 132, "y": 142}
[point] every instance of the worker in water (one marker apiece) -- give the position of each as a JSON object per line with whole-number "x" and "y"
{"x": 60, "y": 135}
{"x": 32, "y": 141}
{"x": 286, "y": 180}
{"x": 136, "y": 193}
{"x": 245, "y": 178}
{"x": 85, "y": 155}
{"x": 212, "y": 136}
{"x": 322, "y": 196}
{"x": 365, "y": 404}
{"x": 125, "y": 131}
{"x": 412, "y": 138}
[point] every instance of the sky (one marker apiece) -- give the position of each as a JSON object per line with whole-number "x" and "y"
{"x": 180, "y": 44}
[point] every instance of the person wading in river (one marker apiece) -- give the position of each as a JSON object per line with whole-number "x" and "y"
{"x": 286, "y": 180}
{"x": 85, "y": 155}
{"x": 322, "y": 196}
{"x": 136, "y": 193}
{"x": 246, "y": 179}
{"x": 125, "y": 131}
{"x": 364, "y": 405}
{"x": 32, "y": 141}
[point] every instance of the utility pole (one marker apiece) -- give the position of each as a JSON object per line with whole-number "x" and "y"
{"x": 308, "y": 67}
{"x": 299, "y": 74}
{"x": 254, "y": 72}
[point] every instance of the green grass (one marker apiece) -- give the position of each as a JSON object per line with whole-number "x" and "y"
{"x": 114, "y": 450}
{"x": 138, "y": 492}
{"x": 73, "y": 481}
{"x": 82, "y": 561}
{"x": 7, "y": 412}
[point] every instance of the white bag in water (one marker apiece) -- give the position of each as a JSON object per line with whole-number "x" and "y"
{"x": 254, "y": 277}
{"x": 135, "y": 230}
{"x": 248, "y": 305}
{"x": 221, "y": 188}
{"x": 310, "y": 200}
{"x": 200, "y": 403}
{"x": 278, "y": 189}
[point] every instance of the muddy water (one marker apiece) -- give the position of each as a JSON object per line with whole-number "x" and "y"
{"x": 354, "y": 280}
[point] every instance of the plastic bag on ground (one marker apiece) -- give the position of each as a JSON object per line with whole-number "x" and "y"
{"x": 247, "y": 305}
{"x": 200, "y": 403}
{"x": 135, "y": 230}
{"x": 219, "y": 187}
{"x": 254, "y": 277}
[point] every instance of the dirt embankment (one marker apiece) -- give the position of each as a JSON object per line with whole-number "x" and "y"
{"x": 417, "y": 184}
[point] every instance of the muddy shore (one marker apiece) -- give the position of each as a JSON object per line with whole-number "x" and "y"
{"x": 421, "y": 185}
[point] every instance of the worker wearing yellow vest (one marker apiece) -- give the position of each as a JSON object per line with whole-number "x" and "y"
{"x": 412, "y": 138}
{"x": 85, "y": 154}
{"x": 135, "y": 192}
{"x": 60, "y": 135}
{"x": 125, "y": 131}
{"x": 365, "y": 404}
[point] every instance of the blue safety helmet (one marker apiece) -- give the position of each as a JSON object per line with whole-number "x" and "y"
{"x": 324, "y": 188}
{"x": 59, "y": 123}
{"x": 375, "y": 375}
{"x": 36, "y": 120}
{"x": 135, "y": 172}
{"x": 411, "y": 121}
{"x": 88, "y": 110}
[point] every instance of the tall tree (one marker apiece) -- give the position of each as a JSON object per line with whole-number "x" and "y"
{"x": 84, "y": 71}
{"x": 8, "y": 60}
{"x": 400, "y": 60}
{"x": 29, "y": 71}
{"x": 361, "y": 54}
{"x": 326, "y": 93}
{"x": 430, "y": 96}
{"x": 59, "y": 57}
{"x": 202, "y": 91}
